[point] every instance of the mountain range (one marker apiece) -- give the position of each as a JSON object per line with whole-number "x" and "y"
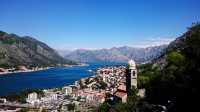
{"x": 27, "y": 51}
{"x": 116, "y": 54}
{"x": 16, "y": 50}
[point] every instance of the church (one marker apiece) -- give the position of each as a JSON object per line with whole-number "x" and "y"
{"x": 131, "y": 76}
{"x": 131, "y": 83}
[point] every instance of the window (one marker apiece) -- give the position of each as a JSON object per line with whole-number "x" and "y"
{"x": 133, "y": 72}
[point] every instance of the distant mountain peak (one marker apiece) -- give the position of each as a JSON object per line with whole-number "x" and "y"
{"x": 116, "y": 54}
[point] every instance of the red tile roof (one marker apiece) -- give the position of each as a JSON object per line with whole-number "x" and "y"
{"x": 122, "y": 88}
{"x": 120, "y": 94}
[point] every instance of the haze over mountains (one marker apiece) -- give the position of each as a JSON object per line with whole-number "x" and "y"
{"x": 16, "y": 50}
{"x": 118, "y": 55}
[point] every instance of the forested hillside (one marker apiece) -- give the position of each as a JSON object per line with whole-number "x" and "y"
{"x": 16, "y": 51}
{"x": 174, "y": 87}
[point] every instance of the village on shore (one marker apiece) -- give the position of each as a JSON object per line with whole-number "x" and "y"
{"x": 20, "y": 69}
{"x": 86, "y": 94}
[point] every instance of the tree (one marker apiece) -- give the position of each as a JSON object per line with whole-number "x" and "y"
{"x": 103, "y": 85}
{"x": 102, "y": 108}
{"x": 71, "y": 106}
{"x": 178, "y": 82}
{"x": 143, "y": 81}
{"x": 175, "y": 58}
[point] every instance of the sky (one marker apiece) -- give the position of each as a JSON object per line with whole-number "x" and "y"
{"x": 95, "y": 24}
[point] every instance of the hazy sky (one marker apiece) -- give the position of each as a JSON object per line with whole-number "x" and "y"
{"x": 71, "y": 24}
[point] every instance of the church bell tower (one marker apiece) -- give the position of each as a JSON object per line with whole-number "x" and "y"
{"x": 131, "y": 76}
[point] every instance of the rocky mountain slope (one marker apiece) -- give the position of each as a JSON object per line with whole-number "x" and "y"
{"x": 16, "y": 50}
{"x": 121, "y": 54}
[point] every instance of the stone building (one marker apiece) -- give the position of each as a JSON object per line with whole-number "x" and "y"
{"x": 131, "y": 76}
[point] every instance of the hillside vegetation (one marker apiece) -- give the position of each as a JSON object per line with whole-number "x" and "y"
{"x": 16, "y": 50}
{"x": 177, "y": 83}
{"x": 174, "y": 87}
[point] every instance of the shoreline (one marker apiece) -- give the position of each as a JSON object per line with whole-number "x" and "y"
{"x": 27, "y": 71}
{"x": 92, "y": 75}
{"x": 71, "y": 85}
{"x": 39, "y": 69}
{"x": 79, "y": 64}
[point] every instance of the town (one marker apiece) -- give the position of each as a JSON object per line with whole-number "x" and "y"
{"x": 20, "y": 69}
{"x": 86, "y": 94}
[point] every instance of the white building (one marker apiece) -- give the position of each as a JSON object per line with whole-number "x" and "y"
{"x": 3, "y": 100}
{"x": 49, "y": 96}
{"x": 89, "y": 97}
{"x": 32, "y": 98}
{"x": 53, "y": 96}
{"x": 68, "y": 90}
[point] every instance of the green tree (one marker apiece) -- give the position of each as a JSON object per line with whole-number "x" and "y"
{"x": 103, "y": 85}
{"x": 175, "y": 58}
{"x": 102, "y": 108}
{"x": 143, "y": 81}
{"x": 71, "y": 107}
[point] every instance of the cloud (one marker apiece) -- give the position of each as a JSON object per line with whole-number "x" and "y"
{"x": 153, "y": 42}
{"x": 141, "y": 44}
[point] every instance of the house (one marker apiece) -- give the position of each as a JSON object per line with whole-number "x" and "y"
{"x": 68, "y": 90}
{"x": 32, "y": 98}
{"x": 3, "y": 100}
{"x": 141, "y": 93}
{"x": 50, "y": 96}
{"x": 122, "y": 87}
{"x": 3, "y": 70}
{"x": 120, "y": 96}
{"x": 21, "y": 68}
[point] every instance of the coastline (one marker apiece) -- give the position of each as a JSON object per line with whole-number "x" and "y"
{"x": 79, "y": 64}
{"x": 26, "y": 71}
{"x": 58, "y": 86}
{"x": 38, "y": 69}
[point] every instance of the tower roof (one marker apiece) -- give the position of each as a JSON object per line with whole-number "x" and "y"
{"x": 131, "y": 63}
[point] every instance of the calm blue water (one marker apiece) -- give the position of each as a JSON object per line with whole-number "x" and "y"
{"x": 54, "y": 77}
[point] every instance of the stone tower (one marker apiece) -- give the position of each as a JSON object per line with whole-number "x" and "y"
{"x": 131, "y": 76}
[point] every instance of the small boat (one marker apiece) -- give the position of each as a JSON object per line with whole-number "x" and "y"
{"x": 89, "y": 70}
